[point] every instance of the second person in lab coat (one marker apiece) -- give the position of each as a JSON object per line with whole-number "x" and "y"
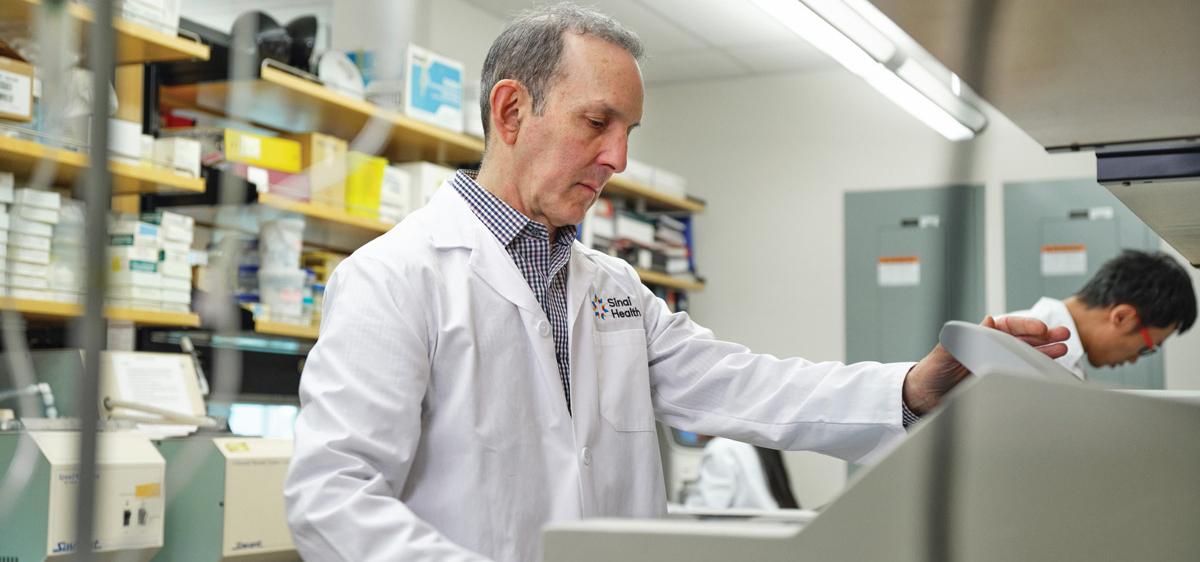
{"x": 1125, "y": 311}
{"x": 479, "y": 373}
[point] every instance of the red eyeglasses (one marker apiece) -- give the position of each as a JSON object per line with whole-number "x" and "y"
{"x": 1150, "y": 347}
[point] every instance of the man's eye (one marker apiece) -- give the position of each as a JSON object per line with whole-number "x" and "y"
{"x": 596, "y": 123}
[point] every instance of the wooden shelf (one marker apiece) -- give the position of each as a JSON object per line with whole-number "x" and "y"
{"x": 281, "y": 100}
{"x": 62, "y": 311}
{"x": 22, "y": 157}
{"x": 285, "y": 329}
{"x": 663, "y": 280}
{"x": 135, "y": 43}
{"x": 621, "y": 187}
{"x": 324, "y": 213}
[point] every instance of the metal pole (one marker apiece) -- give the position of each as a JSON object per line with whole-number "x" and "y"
{"x": 98, "y": 196}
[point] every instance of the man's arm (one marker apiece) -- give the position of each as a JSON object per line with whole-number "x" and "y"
{"x": 939, "y": 372}
{"x": 715, "y": 387}
{"x": 359, "y": 425}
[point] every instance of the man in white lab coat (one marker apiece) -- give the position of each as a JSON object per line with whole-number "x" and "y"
{"x": 1125, "y": 311}
{"x": 479, "y": 373}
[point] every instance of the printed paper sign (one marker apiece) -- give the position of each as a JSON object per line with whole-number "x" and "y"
{"x": 1064, "y": 260}
{"x": 899, "y": 271}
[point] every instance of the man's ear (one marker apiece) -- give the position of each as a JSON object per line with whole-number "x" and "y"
{"x": 511, "y": 103}
{"x": 1124, "y": 317}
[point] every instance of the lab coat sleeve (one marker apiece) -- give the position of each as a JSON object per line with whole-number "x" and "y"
{"x": 360, "y": 422}
{"x": 713, "y": 387}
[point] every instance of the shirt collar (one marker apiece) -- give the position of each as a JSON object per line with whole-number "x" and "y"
{"x": 505, "y": 222}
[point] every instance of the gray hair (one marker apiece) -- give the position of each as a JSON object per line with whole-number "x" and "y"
{"x": 530, "y": 48}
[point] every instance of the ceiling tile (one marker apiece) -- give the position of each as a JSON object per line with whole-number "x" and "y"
{"x": 659, "y": 34}
{"x": 722, "y": 23}
{"x": 691, "y": 65}
{"x": 793, "y": 55}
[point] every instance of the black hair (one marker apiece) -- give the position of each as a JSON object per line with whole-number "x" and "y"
{"x": 1151, "y": 282}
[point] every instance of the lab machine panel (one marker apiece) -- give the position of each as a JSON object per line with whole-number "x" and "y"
{"x": 914, "y": 259}
{"x": 225, "y": 500}
{"x": 40, "y": 524}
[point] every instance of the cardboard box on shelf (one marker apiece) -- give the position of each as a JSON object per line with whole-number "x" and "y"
{"x": 180, "y": 155}
{"x": 7, "y": 187}
{"x": 364, "y": 183}
{"x": 670, "y": 183}
{"x": 40, "y": 257}
{"x": 433, "y": 88}
{"x": 136, "y": 304}
{"x": 232, "y": 145}
{"x": 39, "y": 198}
{"x": 16, "y": 90}
{"x": 125, "y": 140}
{"x": 134, "y": 233}
{"x": 323, "y": 159}
{"x": 135, "y": 293}
{"x": 292, "y": 186}
{"x": 18, "y": 223}
{"x": 427, "y": 177}
{"x": 29, "y": 241}
{"x": 47, "y": 217}
{"x": 172, "y": 226}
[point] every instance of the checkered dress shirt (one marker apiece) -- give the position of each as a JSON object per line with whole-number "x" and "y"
{"x": 542, "y": 264}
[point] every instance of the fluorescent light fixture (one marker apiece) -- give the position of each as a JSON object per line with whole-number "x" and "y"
{"x": 854, "y": 33}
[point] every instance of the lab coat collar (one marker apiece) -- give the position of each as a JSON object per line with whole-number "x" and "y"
{"x": 455, "y": 226}
{"x": 581, "y": 281}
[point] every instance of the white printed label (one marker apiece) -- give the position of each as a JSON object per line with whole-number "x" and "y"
{"x": 1100, "y": 213}
{"x": 250, "y": 147}
{"x": 1064, "y": 260}
{"x": 899, "y": 271}
{"x": 16, "y": 91}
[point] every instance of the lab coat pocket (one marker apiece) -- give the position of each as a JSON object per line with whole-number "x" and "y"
{"x": 624, "y": 373}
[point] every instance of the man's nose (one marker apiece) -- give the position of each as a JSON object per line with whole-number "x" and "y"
{"x": 615, "y": 153}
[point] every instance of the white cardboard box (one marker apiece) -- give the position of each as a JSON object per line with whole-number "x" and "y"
{"x": 29, "y": 241}
{"x": 35, "y": 214}
{"x": 18, "y": 223}
{"x": 26, "y": 255}
{"x": 426, "y": 177}
{"x": 433, "y": 88}
{"x": 38, "y": 198}
{"x": 7, "y": 185}
{"x": 180, "y": 155}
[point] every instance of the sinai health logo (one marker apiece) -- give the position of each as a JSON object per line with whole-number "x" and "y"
{"x": 605, "y": 308}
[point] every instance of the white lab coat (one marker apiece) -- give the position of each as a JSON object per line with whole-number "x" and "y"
{"x": 433, "y": 424}
{"x": 1054, "y": 313}
{"x": 731, "y": 476}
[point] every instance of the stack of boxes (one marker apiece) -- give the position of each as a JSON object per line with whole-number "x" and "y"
{"x": 67, "y": 254}
{"x": 134, "y": 280}
{"x": 150, "y": 262}
{"x": 30, "y": 229}
{"x": 175, "y": 232}
{"x": 6, "y": 199}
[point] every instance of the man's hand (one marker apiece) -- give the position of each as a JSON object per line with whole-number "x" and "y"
{"x": 928, "y": 381}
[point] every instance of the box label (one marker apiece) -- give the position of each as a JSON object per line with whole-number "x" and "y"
{"x": 16, "y": 92}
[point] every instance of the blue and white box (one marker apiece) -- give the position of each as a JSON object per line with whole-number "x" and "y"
{"x": 433, "y": 89}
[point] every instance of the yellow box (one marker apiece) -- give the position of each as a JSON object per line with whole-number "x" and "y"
{"x": 324, "y": 159}
{"x": 265, "y": 152}
{"x": 363, "y": 184}
{"x": 16, "y": 90}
